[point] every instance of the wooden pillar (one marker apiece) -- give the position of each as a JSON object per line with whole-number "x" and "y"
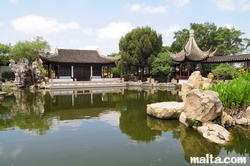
{"x": 180, "y": 69}
{"x": 72, "y": 71}
{"x": 49, "y": 70}
{"x": 58, "y": 71}
{"x": 109, "y": 67}
{"x": 102, "y": 68}
{"x": 200, "y": 67}
{"x": 91, "y": 72}
{"x": 188, "y": 69}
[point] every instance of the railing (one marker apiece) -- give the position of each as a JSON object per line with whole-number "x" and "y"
{"x": 101, "y": 81}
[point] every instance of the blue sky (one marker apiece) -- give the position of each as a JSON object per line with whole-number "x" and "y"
{"x": 91, "y": 24}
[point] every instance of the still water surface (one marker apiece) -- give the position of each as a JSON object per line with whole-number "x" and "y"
{"x": 107, "y": 127}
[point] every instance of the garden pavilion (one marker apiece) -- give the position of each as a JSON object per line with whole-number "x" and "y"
{"x": 80, "y": 65}
{"x": 192, "y": 55}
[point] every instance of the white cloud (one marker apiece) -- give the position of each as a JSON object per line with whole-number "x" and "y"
{"x": 31, "y": 24}
{"x": 1, "y": 23}
{"x": 73, "y": 41}
{"x": 180, "y": 3}
{"x": 113, "y": 31}
{"x": 73, "y": 124}
{"x": 146, "y": 9}
{"x": 87, "y": 31}
{"x": 89, "y": 48}
{"x": 229, "y": 26}
{"x": 170, "y": 30}
{"x": 111, "y": 117}
{"x": 224, "y": 5}
{"x": 14, "y": 1}
{"x": 17, "y": 151}
{"x": 244, "y": 5}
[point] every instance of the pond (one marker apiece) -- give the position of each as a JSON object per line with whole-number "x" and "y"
{"x": 102, "y": 127}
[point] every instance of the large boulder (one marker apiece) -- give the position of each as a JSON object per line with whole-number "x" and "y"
{"x": 165, "y": 110}
{"x": 185, "y": 88}
{"x": 195, "y": 79}
{"x": 183, "y": 119}
{"x": 243, "y": 118}
{"x": 215, "y": 133}
{"x": 202, "y": 105}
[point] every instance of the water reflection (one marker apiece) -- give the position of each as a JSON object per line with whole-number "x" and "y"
{"x": 40, "y": 112}
{"x": 192, "y": 142}
{"x": 241, "y": 143}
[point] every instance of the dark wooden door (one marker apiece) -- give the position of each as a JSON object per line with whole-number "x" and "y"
{"x": 82, "y": 73}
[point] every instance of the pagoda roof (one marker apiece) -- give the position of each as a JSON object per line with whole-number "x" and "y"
{"x": 78, "y": 56}
{"x": 228, "y": 58}
{"x": 191, "y": 51}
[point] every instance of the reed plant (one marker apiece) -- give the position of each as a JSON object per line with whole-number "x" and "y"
{"x": 235, "y": 94}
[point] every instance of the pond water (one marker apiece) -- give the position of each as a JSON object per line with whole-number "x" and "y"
{"x": 101, "y": 127}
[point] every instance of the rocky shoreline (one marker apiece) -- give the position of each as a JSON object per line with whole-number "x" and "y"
{"x": 200, "y": 109}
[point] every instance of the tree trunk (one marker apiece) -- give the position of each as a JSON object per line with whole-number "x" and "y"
{"x": 142, "y": 73}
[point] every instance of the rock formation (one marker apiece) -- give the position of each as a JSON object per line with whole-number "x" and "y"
{"x": 165, "y": 110}
{"x": 20, "y": 68}
{"x": 202, "y": 105}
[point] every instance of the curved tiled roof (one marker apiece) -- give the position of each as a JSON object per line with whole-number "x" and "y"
{"x": 228, "y": 58}
{"x": 191, "y": 51}
{"x": 78, "y": 56}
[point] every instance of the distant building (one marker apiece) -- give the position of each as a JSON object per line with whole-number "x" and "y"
{"x": 82, "y": 65}
{"x": 192, "y": 57}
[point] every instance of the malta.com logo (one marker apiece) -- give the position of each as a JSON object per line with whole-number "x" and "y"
{"x": 210, "y": 159}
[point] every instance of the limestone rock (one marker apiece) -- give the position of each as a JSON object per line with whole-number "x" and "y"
{"x": 202, "y": 105}
{"x": 183, "y": 119}
{"x": 165, "y": 110}
{"x": 185, "y": 88}
{"x": 215, "y": 133}
{"x": 248, "y": 113}
{"x": 174, "y": 81}
{"x": 206, "y": 83}
{"x": 227, "y": 120}
{"x": 242, "y": 121}
{"x": 195, "y": 79}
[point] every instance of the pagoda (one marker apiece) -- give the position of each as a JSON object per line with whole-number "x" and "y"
{"x": 190, "y": 55}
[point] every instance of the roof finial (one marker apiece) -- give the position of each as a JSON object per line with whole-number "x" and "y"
{"x": 191, "y": 33}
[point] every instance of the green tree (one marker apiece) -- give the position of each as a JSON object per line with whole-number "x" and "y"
{"x": 4, "y": 53}
{"x": 30, "y": 49}
{"x": 115, "y": 70}
{"x": 225, "y": 70}
{"x": 226, "y": 41}
{"x": 138, "y": 49}
{"x": 114, "y": 55}
{"x": 161, "y": 66}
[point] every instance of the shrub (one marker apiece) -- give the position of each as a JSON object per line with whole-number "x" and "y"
{"x": 7, "y": 89}
{"x": 8, "y": 75}
{"x": 235, "y": 94}
{"x": 193, "y": 122}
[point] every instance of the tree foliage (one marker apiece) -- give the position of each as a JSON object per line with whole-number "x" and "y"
{"x": 226, "y": 41}
{"x": 30, "y": 49}
{"x": 161, "y": 65}
{"x": 4, "y": 53}
{"x": 225, "y": 70}
{"x": 115, "y": 70}
{"x": 138, "y": 49}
